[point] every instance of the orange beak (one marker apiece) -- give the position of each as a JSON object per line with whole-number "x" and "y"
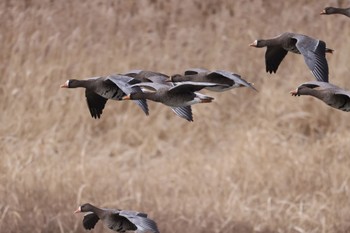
{"x": 65, "y": 85}
{"x": 294, "y": 92}
{"x": 254, "y": 44}
{"x": 127, "y": 97}
{"x": 78, "y": 210}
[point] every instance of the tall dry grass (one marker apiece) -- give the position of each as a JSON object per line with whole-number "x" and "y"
{"x": 250, "y": 162}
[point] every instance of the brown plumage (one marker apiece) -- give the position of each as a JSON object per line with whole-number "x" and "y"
{"x": 117, "y": 220}
{"x": 335, "y": 10}
{"x": 313, "y": 51}
{"x": 228, "y": 79}
{"x": 99, "y": 89}
{"x": 330, "y": 94}
{"x": 179, "y": 97}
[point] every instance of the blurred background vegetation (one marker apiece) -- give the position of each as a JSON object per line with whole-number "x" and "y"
{"x": 250, "y": 162}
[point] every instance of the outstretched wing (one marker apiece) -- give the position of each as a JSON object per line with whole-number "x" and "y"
{"x": 189, "y": 86}
{"x": 343, "y": 98}
{"x": 235, "y": 78}
{"x": 125, "y": 84}
{"x": 184, "y": 112}
{"x": 90, "y": 220}
{"x": 147, "y": 76}
{"x": 120, "y": 223}
{"x": 95, "y": 102}
{"x": 273, "y": 58}
{"x": 143, "y": 224}
{"x": 314, "y": 53}
{"x": 162, "y": 79}
{"x": 151, "y": 86}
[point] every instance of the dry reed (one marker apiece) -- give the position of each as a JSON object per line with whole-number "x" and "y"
{"x": 250, "y": 162}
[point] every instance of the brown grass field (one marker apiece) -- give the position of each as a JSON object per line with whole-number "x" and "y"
{"x": 250, "y": 162}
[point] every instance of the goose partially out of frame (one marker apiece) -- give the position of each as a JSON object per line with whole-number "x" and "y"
{"x": 335, "y": 10}
{"x": 330, "y": 94}
{"x": 117, "y": 220}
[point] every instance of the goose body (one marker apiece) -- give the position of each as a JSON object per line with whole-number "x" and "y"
{"x": 182, "y": 94}
{"x": 313, "y": 51}
{"x": 335, "y": 10}
{"x": 330, "y": 94}
{"x": 228, "y": 79}
{"x": 99, "y": 89}
{"x": 179, "y": 97}
{"x": 117, "y": 220}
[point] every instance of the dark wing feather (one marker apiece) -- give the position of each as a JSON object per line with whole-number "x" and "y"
{"x": 158, "y": 79}
{"x": 95, "y": 102}
{"x": 312, "y": 86}
{"x": 343, "y": 101}
{"x": 121, "y": 223}
{"x": 314, "y": 52}
{"x": 150, "y": 86}
{"x": 191, "y": 87}
{"x": 90, "y": 221}
{"x": 145, "y": 223}
{"x": 273, "y": 58}
{"x": 193, "y": 71}
{"x": 142, "y": 103}
{"x": 343, "y": 97}
{"x": 142, "y": 224}
{"x": 147, "y": 76}
{"x": 230, "y": 79}
{"x": 217, "y": 77}
{"x": 125, "y": 84}
{"x": 142, "y": 214}
{"x": 184, "y": 112}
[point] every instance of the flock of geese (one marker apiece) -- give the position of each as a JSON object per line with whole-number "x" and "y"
{"x": 141, "y": 85}
{"x": 180, "y": 91}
